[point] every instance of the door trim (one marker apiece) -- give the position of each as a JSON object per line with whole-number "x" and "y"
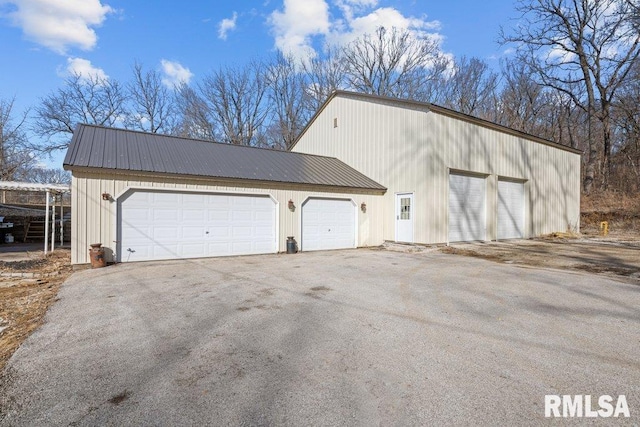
{"x": 412, "y": 213}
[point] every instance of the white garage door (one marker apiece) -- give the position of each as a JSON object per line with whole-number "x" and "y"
{"x": 156, "y": 225}
{"x": 467, "y": 211}
{"x": 510, "y": 210}
{"x": 328, "y": 224}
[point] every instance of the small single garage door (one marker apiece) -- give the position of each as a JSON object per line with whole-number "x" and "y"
{"x": 467, "y": 208}
{"x": 155, "y": 225}
{"x": 328, "y": 224}
{"x": 510, "y": 210}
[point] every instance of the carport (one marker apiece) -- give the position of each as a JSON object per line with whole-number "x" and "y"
{"x": 53, "y": 193}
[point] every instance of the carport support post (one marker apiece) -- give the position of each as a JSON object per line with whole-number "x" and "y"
{"x": 61, "y": 223}
{"x": 53, "y": 224}
{"x": 46, "y": 223}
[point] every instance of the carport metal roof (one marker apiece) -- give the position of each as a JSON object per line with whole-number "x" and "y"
{"x": 104, "y": 148}
{"x": 34, "y": 186}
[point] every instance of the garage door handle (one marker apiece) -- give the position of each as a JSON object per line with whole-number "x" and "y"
{"x": 206, "y": 232}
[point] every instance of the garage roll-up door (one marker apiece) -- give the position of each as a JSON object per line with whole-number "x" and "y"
{"x": 510, "y": 210}
{"x": 328, "y": 224}
{"x": 155, "y": 225}
{"x": 467, "y": 208}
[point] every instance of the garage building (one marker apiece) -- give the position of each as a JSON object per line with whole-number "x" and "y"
{"x": 365, "y": 170}
{"x": 154, "y": 197}
{"x": 450, "y": 177}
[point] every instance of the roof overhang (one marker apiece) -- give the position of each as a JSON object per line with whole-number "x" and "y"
{"x": 239, "y": 182}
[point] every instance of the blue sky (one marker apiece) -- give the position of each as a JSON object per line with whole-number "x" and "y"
{"x": 42, "y": 41}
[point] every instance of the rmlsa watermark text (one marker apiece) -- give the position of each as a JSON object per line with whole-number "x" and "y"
{"x": 584, "y": 405}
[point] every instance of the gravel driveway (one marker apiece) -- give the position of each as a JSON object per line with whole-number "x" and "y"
{"x": 357, "y": 337}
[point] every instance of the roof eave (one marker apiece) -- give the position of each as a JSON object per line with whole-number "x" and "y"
{"x": 245, "y": 182}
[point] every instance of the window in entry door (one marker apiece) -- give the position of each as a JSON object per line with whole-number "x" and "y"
{"x": 405, "y": 208}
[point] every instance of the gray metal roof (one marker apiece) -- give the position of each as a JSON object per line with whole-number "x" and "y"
{"x": 125, "y": 150}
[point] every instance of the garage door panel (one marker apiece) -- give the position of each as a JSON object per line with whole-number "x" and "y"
{"x": 193, "y": 249}
{"x": 166, "y": 199}
{"x": 165, "y": 214}
{"x": 328, "y": 224}
{"x": 238, "y": 215}
{"x": 193, "y": 232}
{"x": 467, "y": 208}
{"x": 217, "y": 214}
{"x": 167, "y": 233}
{"x": 196, "y": 215}
{"x": 241, "y": 232}
{"x": 138, "y": 214}
{"x": 184, "y": 225}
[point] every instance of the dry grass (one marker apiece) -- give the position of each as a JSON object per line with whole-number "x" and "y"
{"x": 24, "y": 301}
{"x": 621, "y": 211}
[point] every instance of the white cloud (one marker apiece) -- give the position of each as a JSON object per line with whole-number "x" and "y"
{"x": 299, "y": 20}
{"x": 60, "y": 24}
{"x": 83, "y": 68}
{"x": 303, "y": 23}
{"x": 175, "y": 73}
{"x": 383, "y": 17}
{"x": 226, "y": 25}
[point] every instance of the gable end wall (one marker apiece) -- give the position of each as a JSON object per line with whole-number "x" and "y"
{"x": 410, "y": 149}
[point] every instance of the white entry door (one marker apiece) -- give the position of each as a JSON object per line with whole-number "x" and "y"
{"x": 467, "y": 208}
{"x": 404, "y": 217}
{"x": 328, "y": 224}
{"x": 156, "y": 225}
{"x": 510, "y": 210}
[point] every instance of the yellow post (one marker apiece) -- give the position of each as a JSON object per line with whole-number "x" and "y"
{"x": 604, "y": 228}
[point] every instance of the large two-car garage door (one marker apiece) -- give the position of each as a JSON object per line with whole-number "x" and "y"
{"x": 155, "y": 225}
{"x": 467, "y": 208}
{"x": 328, "y": 224}
{"x": 510, "y": 210}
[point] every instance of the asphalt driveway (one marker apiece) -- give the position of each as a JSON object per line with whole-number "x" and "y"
{"x": 358, "y": 337}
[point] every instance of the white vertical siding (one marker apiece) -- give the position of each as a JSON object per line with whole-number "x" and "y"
{"x": 94, "y": 219}
{"x": 407, "y": 148}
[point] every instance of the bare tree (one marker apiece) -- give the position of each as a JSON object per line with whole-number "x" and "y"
{"x": 394, "y": 63}
{"x": 83, "y": 99}
{"x": 235, "y": 98}
{"x": 521, "y": 98}
{"x": 586, "y": 44}
{"x": 471, "y": 88}
{"x": 49, "y": 176}
{"x": 152, "y": 104}
{"x": 15, "y": 157}
{"x": 626, "y": 156}
{"x": 289, "y": 110}
{"x": 324, "y": 75}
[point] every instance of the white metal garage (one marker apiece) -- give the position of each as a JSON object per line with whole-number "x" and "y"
{"x": 155, "y": 225}
{"x": 467, "y": 208}
{"x": 328, "y": 224}
{"x": 510, "y": 209}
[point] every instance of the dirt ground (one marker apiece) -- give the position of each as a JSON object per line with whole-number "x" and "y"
{"x": 616, "y": 255}
{"x": 24, "y": 300}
